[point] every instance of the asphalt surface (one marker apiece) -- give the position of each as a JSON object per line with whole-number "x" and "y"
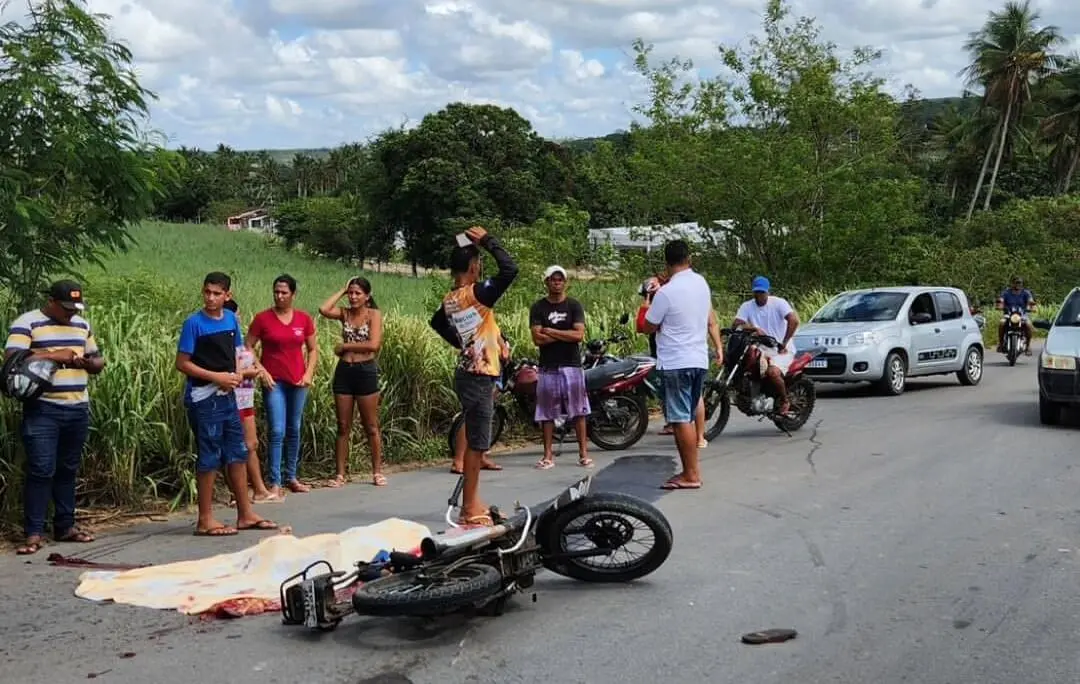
{"x": 929, "y": 538}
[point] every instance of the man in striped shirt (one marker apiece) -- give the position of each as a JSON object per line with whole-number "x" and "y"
{"x": 56, "y": 424}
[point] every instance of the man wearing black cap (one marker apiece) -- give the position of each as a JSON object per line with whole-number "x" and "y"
{"x": 56, "y": 424}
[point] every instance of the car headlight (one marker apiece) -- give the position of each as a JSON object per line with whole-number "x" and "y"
{"x": 1058, "y": 362}
{"x": 863, "y": 338}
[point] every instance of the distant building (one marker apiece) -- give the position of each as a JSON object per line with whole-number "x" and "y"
{"x": 257, "y": 220}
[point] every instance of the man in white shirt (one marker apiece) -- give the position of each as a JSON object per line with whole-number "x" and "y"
{"x": 773, "y": 316}
{"x": 679, "y": 315}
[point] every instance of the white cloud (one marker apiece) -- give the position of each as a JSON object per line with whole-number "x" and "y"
{"x": 299, "y": 73}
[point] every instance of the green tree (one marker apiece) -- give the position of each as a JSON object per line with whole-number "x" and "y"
{"x": 1010, "y": 53}
{"x": 809, "y": 186}
{"x": 75, "y": 169}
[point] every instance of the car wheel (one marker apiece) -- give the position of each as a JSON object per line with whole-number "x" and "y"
{"x": 972, "y": 371}
{"x": 894, "y": 378}
{"x": 1049, "y": 411}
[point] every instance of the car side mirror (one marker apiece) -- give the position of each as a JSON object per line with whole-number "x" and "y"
{"x": 1042, "y": 324}
{"x": 921, "y": 318}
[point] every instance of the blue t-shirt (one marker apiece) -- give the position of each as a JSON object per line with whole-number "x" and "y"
{"x": 1018, "y": 300}
{"x": 211, "y": 343}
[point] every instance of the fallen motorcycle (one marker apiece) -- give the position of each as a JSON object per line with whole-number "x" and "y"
{"x": 481, "y": 568}
{"x": 742, "y": 381}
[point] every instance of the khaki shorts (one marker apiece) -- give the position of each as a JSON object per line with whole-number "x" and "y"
{"x": 781, "y": 361}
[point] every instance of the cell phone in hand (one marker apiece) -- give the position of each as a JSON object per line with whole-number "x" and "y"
{"x": 462, "y": 240}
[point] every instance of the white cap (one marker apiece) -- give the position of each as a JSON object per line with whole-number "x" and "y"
{"x": 552, "y": 270}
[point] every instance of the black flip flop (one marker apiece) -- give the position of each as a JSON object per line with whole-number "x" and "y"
{"x": 769, "y": 636}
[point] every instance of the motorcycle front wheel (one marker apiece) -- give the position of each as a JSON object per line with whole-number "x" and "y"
{"x": 415, "y": 593}
{"x": 610, "y": 521}
{"x": 618, "y": 422}
{"x": 717, "y": 411}
{"x": 1013, "y": 348}
{"x": 498, "y": 422}
{"x": 802, "y": 396}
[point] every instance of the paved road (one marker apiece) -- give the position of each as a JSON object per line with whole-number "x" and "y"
{"x": 929, "y": 538}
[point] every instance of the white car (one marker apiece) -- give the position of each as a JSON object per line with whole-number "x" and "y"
{"x": 889, "y": 334}
{"x": 1059, "y": 383}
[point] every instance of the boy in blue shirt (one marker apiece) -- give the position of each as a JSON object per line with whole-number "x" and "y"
{"x": 206, "y": 354}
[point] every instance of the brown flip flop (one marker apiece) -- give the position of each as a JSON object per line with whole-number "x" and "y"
{"x": 769, "y": 636}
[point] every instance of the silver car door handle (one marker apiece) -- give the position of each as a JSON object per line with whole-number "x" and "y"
{"x": 937, "y": 330}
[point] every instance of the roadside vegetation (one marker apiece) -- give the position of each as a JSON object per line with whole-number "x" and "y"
{"x": 800, "y": 164}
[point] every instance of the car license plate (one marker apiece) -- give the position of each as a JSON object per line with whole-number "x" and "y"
{"x": 818, "y": 363}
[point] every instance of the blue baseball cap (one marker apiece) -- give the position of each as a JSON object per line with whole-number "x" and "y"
{"x": 760, "y": 284}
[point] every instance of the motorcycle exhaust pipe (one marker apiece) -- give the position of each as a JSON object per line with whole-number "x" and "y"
{"x": 460, "y": 543}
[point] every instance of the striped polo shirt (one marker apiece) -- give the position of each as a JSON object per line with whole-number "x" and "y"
{"x": 35, "y": 331}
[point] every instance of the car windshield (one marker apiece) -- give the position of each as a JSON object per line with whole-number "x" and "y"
{"x": 1070, "y": 312}
{"x": 860, "y": 307}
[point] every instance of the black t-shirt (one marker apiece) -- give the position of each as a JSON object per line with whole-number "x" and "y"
{"x": 561, "y": 316}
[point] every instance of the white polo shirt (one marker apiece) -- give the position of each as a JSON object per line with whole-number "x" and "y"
{"x": 681, "y": 309}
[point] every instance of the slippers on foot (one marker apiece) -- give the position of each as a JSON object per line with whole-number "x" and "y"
{"x": 544, "y": 465}
{"x": 378, "y": 479}
{"x": 483, "y": 520}
{"x": 585, "y": 462}
{"x": 769, "y": 636}
{"x": 219, "y": 531}
{"x": 490, "y": 465}
{"x": 32, "y": 546}
{"x": 680, "y": 484}
{"x": 260, "y": 525}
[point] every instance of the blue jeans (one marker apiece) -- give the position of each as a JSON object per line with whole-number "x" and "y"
{"x": 219, "y": 434}
{"x": 682, "y": 391}
{"x": 53, "y": 437}
{"x": 284, "y": 414}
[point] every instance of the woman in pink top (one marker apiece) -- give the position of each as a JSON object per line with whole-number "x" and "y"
{"x": 283, "y": 333}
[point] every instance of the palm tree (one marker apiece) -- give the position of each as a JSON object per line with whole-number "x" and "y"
{"x": 1062, "y": 123}
{"x": 1009, "y": 53}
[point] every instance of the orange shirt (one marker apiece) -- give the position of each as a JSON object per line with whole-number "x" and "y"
{"x": 479, "y": 332}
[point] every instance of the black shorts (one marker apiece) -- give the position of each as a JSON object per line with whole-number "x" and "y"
{"x": 477, "y": 397}
{"x": 356, "y": 379}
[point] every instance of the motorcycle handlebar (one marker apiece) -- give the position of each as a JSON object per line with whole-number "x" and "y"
{"x": 767, "y": 340}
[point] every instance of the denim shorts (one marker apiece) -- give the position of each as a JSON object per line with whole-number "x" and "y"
{"x": 219, "y": 434}
{"x": 682, "y": 391}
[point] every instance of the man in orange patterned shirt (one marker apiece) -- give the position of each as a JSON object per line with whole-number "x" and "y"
{"x": 466, "y": 319}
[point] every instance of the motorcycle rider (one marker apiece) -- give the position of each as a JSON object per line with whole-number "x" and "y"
{"x": 1021, "y": 298}
{"x": 773, "y": 316}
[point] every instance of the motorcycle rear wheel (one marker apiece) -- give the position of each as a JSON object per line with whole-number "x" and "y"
{"x": 638, "y": 412}
{"x": 802, "y": 395}
{"x": 406, "y": 594}
{"x": 612, "y": 526}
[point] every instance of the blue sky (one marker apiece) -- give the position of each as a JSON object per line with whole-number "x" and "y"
{"x": 316, "y": 73}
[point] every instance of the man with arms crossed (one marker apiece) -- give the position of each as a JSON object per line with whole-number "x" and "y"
{"x": 772, "y": 316}
{"x": 466, "y": 319}
{"x": 680, "y": 313}
{"x": 557, "y": 323}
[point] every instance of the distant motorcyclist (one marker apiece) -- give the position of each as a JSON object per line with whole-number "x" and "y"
{"x": 1016, "y": 297}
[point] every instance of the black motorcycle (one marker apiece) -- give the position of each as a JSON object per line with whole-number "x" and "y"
{"x": 1015, "y": 344}
{"x": 481, "y": 568}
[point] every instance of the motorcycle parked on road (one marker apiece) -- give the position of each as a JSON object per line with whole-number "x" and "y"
{"x": 742, "y": 381}
{"x": 1015, "y": 344}
{"x": 481, "y": 568}
{"x": 617, "y": 396}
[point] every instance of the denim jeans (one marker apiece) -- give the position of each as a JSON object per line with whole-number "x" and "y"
{"x": 682, "y": 390}
{"x": 219, "y": 434}
{"x": 284, "y": 415}
{"x": 53, "y": 437}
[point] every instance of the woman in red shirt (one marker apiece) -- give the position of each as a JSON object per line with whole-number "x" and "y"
{"x": 282, "y": 333}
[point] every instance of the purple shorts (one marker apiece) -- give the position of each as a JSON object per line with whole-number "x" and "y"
{"x": 560, "y": 393}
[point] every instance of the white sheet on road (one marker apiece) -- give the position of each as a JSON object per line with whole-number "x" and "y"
{"x": 196, "y": 586}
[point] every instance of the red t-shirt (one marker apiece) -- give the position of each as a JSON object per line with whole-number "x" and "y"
{"x": 283, "y": 345}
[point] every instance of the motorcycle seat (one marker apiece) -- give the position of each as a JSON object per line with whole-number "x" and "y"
{"x": 600, "y": 376}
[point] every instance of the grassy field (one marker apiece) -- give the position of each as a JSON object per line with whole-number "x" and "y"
{"x": 140, "y": 449}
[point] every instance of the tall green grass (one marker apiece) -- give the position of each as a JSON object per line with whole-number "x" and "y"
{"x": 140, "y": 447}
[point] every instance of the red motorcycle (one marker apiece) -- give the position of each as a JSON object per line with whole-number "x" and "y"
{"x": 742, "y": 381}
{"x": 617, "y": 396}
